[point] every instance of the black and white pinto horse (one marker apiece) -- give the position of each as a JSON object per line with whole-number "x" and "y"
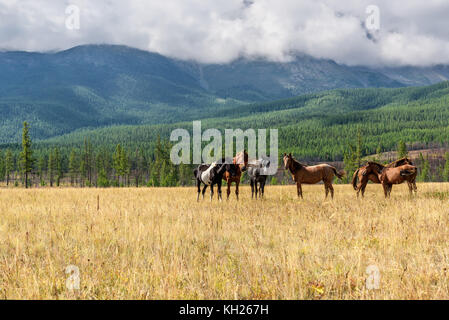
{"x": 210, "y": 175}
{"x": 258, "y": 173}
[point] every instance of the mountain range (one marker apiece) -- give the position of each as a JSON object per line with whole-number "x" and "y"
{"x": 94, "y": 86}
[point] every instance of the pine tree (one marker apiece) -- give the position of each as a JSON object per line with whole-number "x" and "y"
{"x": 185, "y": 174}
{"x": 155, "y": 173}
{"x": 88, "y": 161}
{"x": 425, "y": 170}
{"x": 42, "y": 164}
{"x": 2, "y": 166}
{"x": 51, "y": 167}
{"x": 378, "y": 152}
{"x": 58, "y": 166}
{"x": 102, "y": 180}
{"x": 138, "y": 166}
{"x": 350, "y": 162}
{"x": 83, "y": 171}
{"x": 26, "y": 156}
{"x": 165, "y": 175}
{"x": 117, "y": 163}
{"x": 103, "y": 167}
{"x": 73, "y": 166}
{"x": 402, "y": 149}
{"x": 9, "y": 165}
{"x": 125, "y": 165}
{"x": 358, "y": 152}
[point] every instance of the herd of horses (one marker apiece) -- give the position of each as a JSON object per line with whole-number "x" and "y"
{"x": 209, "y": 175}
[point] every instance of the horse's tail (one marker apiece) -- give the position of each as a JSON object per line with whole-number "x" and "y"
{"x": 195, "y": 173}
{"x": 355, "y": 177}
{"x": 339, "y": 174}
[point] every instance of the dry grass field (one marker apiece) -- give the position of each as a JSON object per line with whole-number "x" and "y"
{"x": 161, "y": 244}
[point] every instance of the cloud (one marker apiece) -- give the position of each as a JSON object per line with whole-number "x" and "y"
{"x": 411, "y": 33}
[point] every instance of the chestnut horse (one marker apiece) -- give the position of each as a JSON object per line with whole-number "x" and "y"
{"x": 240, "y": 162}
{"x": 360, "y": 180}
{"x": 311, "y": 174}
{"x": 390, "y": 176}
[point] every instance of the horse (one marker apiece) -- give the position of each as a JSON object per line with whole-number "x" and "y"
{"x": 360, "y": 180}
{"x": 210, "y": 175}
{"x": 240, "y": 162}
{"x": 257, "y": 174}
{"x": 311, "y": 174}
{"x": 395, "y": 175}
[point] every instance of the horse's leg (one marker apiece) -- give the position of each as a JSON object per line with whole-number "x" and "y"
{"x": 219, "y": 190}
{"x": 262, "y": 189}
{"x": 385, "y": 186}
{"x": 390, "y": 187}
{"x": 257, "y": 189}
{"x": 228, "y": 191}
{"x": 237, "y": 189}
{"x": 204, "y": 190}
{"x": 410, "y": 187}
{"x": 326, "y": 188}
{"x": 211, "y": 191}
{"x": 298, "y": 186}
{"x": 331, "y": 188}
{"x": 252, "y": 188}
{"x": 198, "y": 184}
{"x": 363, "y": 189}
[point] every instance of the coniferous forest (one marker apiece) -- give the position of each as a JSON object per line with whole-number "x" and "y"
{"x": 345, "y": 126}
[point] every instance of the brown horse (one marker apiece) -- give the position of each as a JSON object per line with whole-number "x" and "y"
{"x": 395, "y": 175}
{"x": 311, "y": 174}
{"x": 360, "y": 180}
{"x": 240, "y": 162}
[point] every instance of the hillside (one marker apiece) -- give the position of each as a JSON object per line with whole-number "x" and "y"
{"x": 96, "y": 86}
{"x": 315, "y": 126}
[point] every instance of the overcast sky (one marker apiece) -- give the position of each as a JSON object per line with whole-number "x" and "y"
{"x": 412, "y": 32}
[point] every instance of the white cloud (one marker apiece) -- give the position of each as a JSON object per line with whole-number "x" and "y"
{"x": 413, "y": 32}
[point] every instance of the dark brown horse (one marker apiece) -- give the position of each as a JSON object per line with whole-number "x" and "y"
{"x": 311, "y": 174}
{"x": 394, "y": 175}
{"x": 360, "y": 179}
{"x": 240, "y": 162}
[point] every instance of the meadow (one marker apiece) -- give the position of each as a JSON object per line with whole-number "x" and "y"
{"x": 159, "y": 243}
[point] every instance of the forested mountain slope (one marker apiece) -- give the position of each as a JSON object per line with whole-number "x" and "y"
{"x": 96, "y": 86}
{"x": 317, "y": 126}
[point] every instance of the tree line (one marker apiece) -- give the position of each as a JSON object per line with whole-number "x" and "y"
{"x": 101, "y": 166}
{"x": 87, "y": 166}
{"x": 354, "y": 158}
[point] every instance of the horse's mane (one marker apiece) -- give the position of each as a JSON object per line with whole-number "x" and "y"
{"x": 297, "y": 165}
{"x": 379, "y": 166}
{"x": 243, "y": 154}
{"x": 399, "y": 162}
{"x": 376, "y": 164}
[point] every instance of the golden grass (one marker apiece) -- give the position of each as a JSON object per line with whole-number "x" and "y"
{"x": 160, "y": 244}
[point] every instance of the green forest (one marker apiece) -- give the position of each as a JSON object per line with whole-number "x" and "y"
{"x": 339, "y": 125}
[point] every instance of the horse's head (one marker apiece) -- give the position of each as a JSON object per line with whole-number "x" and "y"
{"x": 241, "y": 159}
{"x": 372, "y": 167}
{"x": 288, "y": 160}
